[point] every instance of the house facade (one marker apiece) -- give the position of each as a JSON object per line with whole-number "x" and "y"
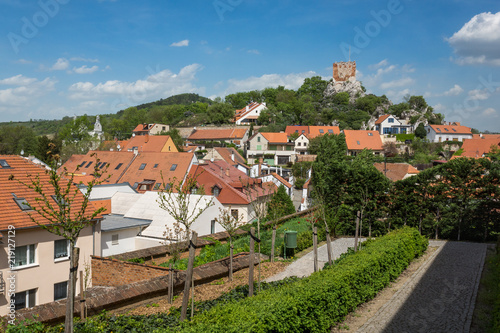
{"x": 249, "y": 114}
{"x": 236, "y": 136}
{"x": 34, "y": 264}
{"x": 450, "y": 132}
{"x": 388, "y": 124}
{"x": 358, "y": 140}
{"x": 151, "y": 129}
{"x": 274, "y": 148}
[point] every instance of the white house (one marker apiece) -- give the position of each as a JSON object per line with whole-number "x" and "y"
{"x": 275, "y": 148}
{"x": 450, "y": 132}
{"x": 249, "y": 114}
{"x": 388, "y": 124}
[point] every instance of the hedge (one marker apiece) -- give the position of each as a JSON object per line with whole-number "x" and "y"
{"x": 316, "y": 303}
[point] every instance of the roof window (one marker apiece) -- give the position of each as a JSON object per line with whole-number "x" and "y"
{"x": 321, "y": 131}
{"x": 82, "y": 164}
{"x": 143, "y": 165}
{"x": 156, "y": 165}
{"x": 173, "y": 167}
{"x": 370, "y": 134}
{"x": 4, "y": 164}
{"x": 358, "y": 142}
{"x": 88, "y": 164}
{"x": 330, "y": 131}
{"x": 118, "y": 166}
{"x": 454, "y": 130}
{"x": 21, "y": 202}
{"x": 439, "y": 129}
{"x": 446, "y": 130}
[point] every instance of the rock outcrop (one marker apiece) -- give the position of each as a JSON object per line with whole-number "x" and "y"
{"x": 351, "y": 86}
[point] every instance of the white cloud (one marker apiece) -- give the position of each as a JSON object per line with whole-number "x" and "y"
{"x": 161, "y": 84}
{"x": 289, "y": 81}
{"x": 489, "y": 112}
{"x": 60, "y": 65}
{"x": 397, "y": 96}
{"x": 85, "y": 70}
{"x": 397, "y": 83}
{"x": 440, "y": 107}
{"x": 378, "y": 65}
{"x": 23, "y": 62}
{"x": 184, "y": 42}
{"x": 18, "y": 80}
{"x": 478, "y": 41}
{"x": 478, "y": 94}
{"x": 455, "y": 91}
{"x": 254, "y": 52}
{"x": 83, "y": 59}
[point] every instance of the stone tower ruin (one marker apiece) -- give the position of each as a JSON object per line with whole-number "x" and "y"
{"x": 343, "y": 71}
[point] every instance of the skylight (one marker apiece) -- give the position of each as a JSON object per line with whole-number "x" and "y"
{"x": 330, "y": 131}
{"x": 143, "y": 165}
{"x": 83, "y": 163}
{"x": 173, "y": 167}
{"x": 4, "y": 164}
{"x": 358, "y": 143}
{"x": 22, "y": 203}
{"x": 370, "y": 134}
{"x": 118, "y": 166}
{"x": 439, "y": 129}
{"x": 446, "y": 130}
{"x": 155, "y": 166}
{"x": 454, "y": 130}
{"x": 88, "y": 164}
{"x": 321, "y": 131}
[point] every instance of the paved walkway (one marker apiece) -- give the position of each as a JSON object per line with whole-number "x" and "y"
{"x": 439, "y": 297}
{"x": 305, "y": 265}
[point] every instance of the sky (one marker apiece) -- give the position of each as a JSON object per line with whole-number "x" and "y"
{"x": 73, "y": 57}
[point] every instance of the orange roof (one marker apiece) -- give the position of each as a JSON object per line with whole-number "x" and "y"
{"x": 243, "y": 112}
{"x": 281, "y": 179}
{"x": 22, "y": 169}
{"x": 143, "y": 128}
{"x": 486, "y": 136}
{"x": 147, "y": 143}
{"x": 359, "y": 140}
{"x": 226, "y": 154}
{"x": 231, "y": 182}
{"x": 312, "y": 131}
{"x": 381, "y": 119}
{"x": 275, "y": 137}
{"x": 151, "y": 165}
{"x": 451, "y": 129}
{"x": 396, "y": 171}
{"x": 315, "y": 131}
{"x": 218, "y": 134}
{"x": 476, "y": 148}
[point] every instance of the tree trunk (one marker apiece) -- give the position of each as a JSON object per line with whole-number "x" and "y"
{"x": 273, "y": 241}
{"x": 315, "y": 248}
{"x": 356, "y": 233}
{"x": 361, "y": 224}
{"x": 189, "y": 275}
{"x": 82, "y": 298}
{"x": 70, "y": 300}
{"x": 370, "y": 229}
{"x": 230, "y": 259}
{"x": 170, "y": 284}
{"x": 258, "y": 246}
{"x": 250, "y": 263}
{"x": 328, "y": 244}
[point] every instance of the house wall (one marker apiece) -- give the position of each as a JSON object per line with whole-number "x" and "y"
{"x": 169, "y": 147}
{"x": 158, "y": 128}
{"x": 126, "y": 241}
{"x": 254, "y": 113}
{"x": 253, "y": 153}
{"x": 432, "y": 136}
{"x": 302, "y": 144}
{"x": 46, "y": 271}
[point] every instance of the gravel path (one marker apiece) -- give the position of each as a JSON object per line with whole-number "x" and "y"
{"x": 305, "y": 266}
{"x": 439, "y": 297}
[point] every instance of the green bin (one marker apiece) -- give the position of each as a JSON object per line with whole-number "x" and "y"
{"x": 290, "y": 239}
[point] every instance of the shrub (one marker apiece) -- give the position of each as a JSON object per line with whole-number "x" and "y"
{"x": 316, "y": 303}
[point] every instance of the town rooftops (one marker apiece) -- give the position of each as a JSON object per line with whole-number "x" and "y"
{"x": 477, "y": 148}
{"x": 149, "y": 143}
{"x": 451, "y": 129}
{"x": 359, "y": 140}
{"x": 218, "y": 134}
{"x": 13, "y": 195}
{"x": 243, "y": 113}
{"x": 312, "y": 131}
{"x": 396, "y": 171}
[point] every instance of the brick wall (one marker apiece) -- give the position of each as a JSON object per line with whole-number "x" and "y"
{"x": 113, "y": 272}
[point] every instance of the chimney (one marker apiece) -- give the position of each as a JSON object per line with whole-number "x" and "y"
{"x": 227, "y": 172}
{"x": 232, "y": 156}
{"x": 136, "y": 151}
{"x": 260, "y": 166}
{"x": 146, "y": 139}
{"x": 247, "y": 108}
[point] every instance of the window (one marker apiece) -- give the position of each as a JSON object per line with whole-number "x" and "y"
{"x": 135, "y": 185}
{"x": 4, "y": 164}
{"x": 88, "y": 164}
{"x": 234, "y": 213}
{"x": 22, "y": 203}
{"x": 82, "y": 164}
{"x": 173, "y": 167}
{"x": 25, "y": 255}
{"x": 391, "y": 120}
{"x": 143, "y": 165}
{"x": 60, "y": 290}
{"x": 370, "y": 134}
{"x": 216, "y": 191}
{"x": 157, "y": 186}
{"x": 118, "y": 166}
{"x": 60, "y": 201}
{"x": 439, "y": 130}
{"x": 155, "y": 166}
{"x": 259, "y": 147}
{"x": 212, "y": 227}
{"x": 114, "y": 239}
{"x": 25, "y": 299}
{"x": 446, "y": 130}
{"x": 303, "y": 131}
{"x": 258, "y": 139}
{"x": 358, "y": 142}
{"x": 330, "y": 131}
{"x": 454, "y": 130}
{"x": 61, "y": 249}
{"x": 298, "y": 144}
{"x": 321, "y": 131}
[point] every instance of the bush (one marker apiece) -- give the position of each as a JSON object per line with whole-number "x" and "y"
{"x": 299, "y": 183}
{"x": 403, "y": 137}
{"x": 316, "y": 303}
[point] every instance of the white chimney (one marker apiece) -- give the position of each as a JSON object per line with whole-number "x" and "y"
{"x": 232, "y": 156}
{"x": 247, "y": 108}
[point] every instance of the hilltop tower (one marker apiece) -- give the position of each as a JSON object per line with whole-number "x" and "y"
{"x": 343, "y": 71}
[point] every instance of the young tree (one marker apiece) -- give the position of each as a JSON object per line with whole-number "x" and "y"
{"x": 67, "y": 218}
{"x": 230, "y": 223}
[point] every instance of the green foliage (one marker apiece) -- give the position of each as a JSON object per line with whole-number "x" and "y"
{"x": 280, "y": 204}
{"x": 137, "y": 260}
{"x": 420, "y": 131}
{"x": 313, "y": 87}
{"x": 299, "y": 183}
{"x": 398, "y": 109}
{"x": 368, "y": 103}
{"x": 417, "y": 102}
{"x": 315, "y": 303}
{"x": 342, "y": 98}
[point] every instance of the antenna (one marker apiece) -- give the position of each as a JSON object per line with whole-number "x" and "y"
{"x": 349, "y": 53}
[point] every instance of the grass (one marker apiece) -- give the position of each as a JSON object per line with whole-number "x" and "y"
{"x": 488, "y": 299}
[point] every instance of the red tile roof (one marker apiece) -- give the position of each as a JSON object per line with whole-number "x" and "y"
{"x": 297, "y": 129}
{"x": 218, "y": 134}
{"x": 396, "y": 171}
{"x": 25, "y": 170}
{"x": 476, "y": 148}
{"x": 451, "y": 129}
{"x": 312, "y": 131}
{"x": 486, "y": 136}
{"x": 147, "y": 143}
{"x": 281, "y": 179}
{"x": 226, "y": 154}
{"x": 381, "y": 119}
{"x": 359, "y": 140}
{"x": 241, "y": 113}
{"x": 275, "y": 137}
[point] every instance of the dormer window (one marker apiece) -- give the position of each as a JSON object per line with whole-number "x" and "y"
{"x": 216, "y": 191}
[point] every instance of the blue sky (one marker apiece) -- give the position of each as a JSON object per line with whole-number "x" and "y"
{"x": 72, "y": 57}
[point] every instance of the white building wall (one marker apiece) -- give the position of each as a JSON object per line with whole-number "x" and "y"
{"x": 126, "y": 241}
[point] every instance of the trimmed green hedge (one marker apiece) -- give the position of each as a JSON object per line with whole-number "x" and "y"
{"x": 316, "y": 303}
